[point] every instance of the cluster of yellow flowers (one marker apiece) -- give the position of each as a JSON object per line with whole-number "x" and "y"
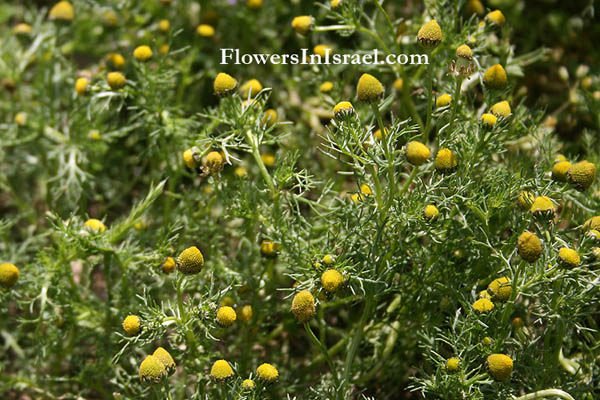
{"x": 157, "y": 366}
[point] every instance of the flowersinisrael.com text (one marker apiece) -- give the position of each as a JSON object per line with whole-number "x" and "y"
{"x": 233, "y": 56}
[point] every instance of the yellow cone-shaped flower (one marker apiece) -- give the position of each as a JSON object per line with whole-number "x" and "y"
{"x": 445, "y": 161}
{"x": 443, "y": 100}
{"x": 165, "y": 358}
{"x": 303, "y": 24}
{"x": 132, "y": 325}
{"x": 115, "y": 80}
{"x": 95, "y": 225}
{"x": 582, "y": 175}
{"x": 495, "y": 77}
{"x": 221, "y": 370}
{"x": 430, "y": 34}
{"x": 501, "y": 109}
{"x": 226, "y": 316}
{"x": 142, "y": 53}
{"x": 331, "y": 280}
{"x": 62, "y": 11}
{"x": 303, "y": 306}
{"x": 542, "y": 207}
{"x": 151, "y": 369}
{"x": 500, "y": 366}
{"x": 559, "y": 171}
{"x": 529, "y": 247}
{"x": 369, "y": 88}
{"x": 81, "y": 86}
{"x": 500, "y": 289}
{"x": 190, "y": 261}
{"x": 224, "y": 84}
{"x": 568, "y": 258}
{"x": 452, "y": 365}
{"x": 496, "y": 18}
{"x": 267, "y": 373}
{"x": 9, "y": 274}
{"x": 250, "y": 88}
{"x": 417, "y": 153}
{"x": 342, "y": 109}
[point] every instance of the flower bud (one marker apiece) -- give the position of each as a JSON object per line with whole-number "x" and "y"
{"x": 417, "y": 153}
{"x": 9, "y": 274}
{"x": 430, "y": 34}
{"x": 224, "y": 84}
{"x": 529, "y": 247}
{"x": 495, "y": 77}
{"x": 303, "y": 24}
{"x": 500, "y": 366}
{"x": 303, "y": 306}
{"x": 582, "y": 175}
{"x": 369, "y": 88}
{"x": 190, "y": 261}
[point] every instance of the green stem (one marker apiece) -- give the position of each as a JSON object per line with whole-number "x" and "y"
{"x": 253, "y": 142}
{"x": 455, "y": 103}
{"x": 354, "y": 344}
{"x": 320, "y": 345}
{"x": 408, "y": 182}
{"x": 391, "y": 172}
{"x": 541, "y": 394}
{"x": 108, "y": 316}
{"x": 429, "y": 105}
{"x": 333, "y": 28}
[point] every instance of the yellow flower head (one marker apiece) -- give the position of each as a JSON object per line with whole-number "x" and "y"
{"x": 303, "y": 306}
{"x": 151, "y": 369}
{"x": 331, "y": 280}
{"x": 378, "y": 134}
{"x": 592, "y": 223}
{"x": 326, "y": 87}
{"x": 445, "y": 161}
{"x": 322, "y": 49}
{"x": 116, "y": 80}
{"x": 165, "y": 358}
{"x": 559, "y": 171}
{"x": 568, "y": 258}
{"x": 582, "y": 175}
{"x": 369, "y": 88}
{"x": 116, "y": 59}
{"x": 214, "y": 162}
{"x": 244, "y": 313}
{"x": 221, "y": 370}
{"x": 489, "y": 120}
{"x": 189, "y": 159}
{"x": 501, "y": 109}
{"x": 335, "y": 3}
{"x": 453, "y": 365}
{"x": 525, "y": 199}
{"x": 62, "y": 11}
{"x": 487, "y": 341}
{"x": 559, "y": 157}
{"x": 500, "y": 366}
{"x": 303, "y": 24}
{"x": 224, "y": 84}
{"x": 495, "y": 77}
{"x": 22, "y": 29}
{"x": 190, "y": 261}
{"x": 328, "y": 259}
{"x": 398, "y": 84}
{"x": 205, "y": 30}
{"x": 529, "y": 246}
{"x": 517, "y": 323}
{"x": 430, "y": 34}
{"x": 484, "y": 295}
{"x": 483, "y": 305}
{"x": 465, "y": 52}
{"x": 168, "y": 265}
{"x": 496, "y": 18}
{"x": 21, "y": 118}
{"x": 250, "y": 88}
{"x": 226, "y": 316}
{"x": 267, "y": 373}
{"x": 431, "y": 212}
{"x": 142, "y": 53}
{"x": 164, "y": 25}
{"x": 268, "y": 159}
{"x": 254, "y": 4}
{"x": 443, "y": 100}
{"x": 474, "y": 7}
{"x": 543, "y": 207}
{"x": 417, "y": 153}
{"x": 241, "y": 172}
{"x": 9, "y": 274}
{"x": 81, "y": 85}
{"x": 268, "y": 248}
{"x": 342, "y": 109}
{"x": 270, "y": 118}
{"x": 132, "y": 324}
{"x": 248, "y": 384}
{"x": 500, "y": 289}
{"x": 95, "y": 225}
